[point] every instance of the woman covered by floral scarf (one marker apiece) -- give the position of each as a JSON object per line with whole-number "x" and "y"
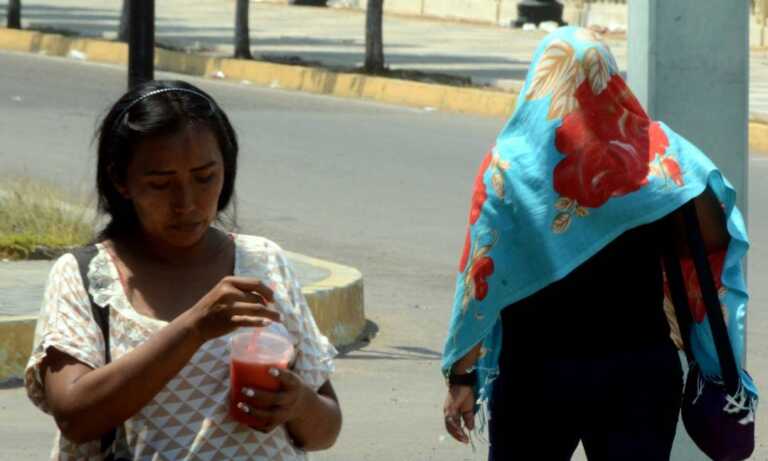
{"x": 561, "y": 326}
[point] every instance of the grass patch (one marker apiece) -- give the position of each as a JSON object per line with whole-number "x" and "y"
{"x": 40, "y": 221}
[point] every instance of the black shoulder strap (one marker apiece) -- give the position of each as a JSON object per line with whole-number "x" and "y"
{"x": 84, "y": 255}
{"x": 677, "y": 288}
{"x": 708, "y": 292}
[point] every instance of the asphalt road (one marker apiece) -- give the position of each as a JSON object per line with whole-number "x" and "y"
{"x": 381, "y": 188}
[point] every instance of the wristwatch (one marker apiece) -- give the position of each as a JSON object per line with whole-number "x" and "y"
{"x": 462, "y": 379}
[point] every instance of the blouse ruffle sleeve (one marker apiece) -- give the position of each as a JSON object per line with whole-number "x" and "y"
{"x": 65, "y": 323}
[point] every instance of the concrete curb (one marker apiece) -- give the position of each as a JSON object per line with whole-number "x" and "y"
{"x": 16, "y": 335}
{"x": 484, "y": 102}
{"x": 758, "y": 133}
{"x": 307, "y": 79}
{"x": 336, "y": 303}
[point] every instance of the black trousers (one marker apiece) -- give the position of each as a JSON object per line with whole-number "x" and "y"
{"x": 622, "y": 407}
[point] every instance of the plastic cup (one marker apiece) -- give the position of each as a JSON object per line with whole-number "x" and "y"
{"x": 252, "y": 354}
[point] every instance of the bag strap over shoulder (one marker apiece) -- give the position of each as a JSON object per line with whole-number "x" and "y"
{"x": 677, "y": 290}
{"x": 84, "y": 255}
{"x": 708, "y": 292}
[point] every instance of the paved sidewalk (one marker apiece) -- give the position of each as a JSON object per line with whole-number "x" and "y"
{"x": 487, "y": 54}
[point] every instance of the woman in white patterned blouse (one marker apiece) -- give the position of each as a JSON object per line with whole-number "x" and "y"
{"x": 174, "y": 288}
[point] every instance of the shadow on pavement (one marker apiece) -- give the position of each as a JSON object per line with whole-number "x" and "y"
{"x": 357, "y": 351}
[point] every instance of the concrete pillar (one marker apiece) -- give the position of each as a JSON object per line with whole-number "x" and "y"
{"x": 688, "y": 65}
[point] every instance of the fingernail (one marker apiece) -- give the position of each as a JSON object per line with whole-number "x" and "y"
{"x": 248, "y": 392}
{"x": 266, "y": 322}
{"x": 243, "y": 407}
{"x": 274, "y": 372}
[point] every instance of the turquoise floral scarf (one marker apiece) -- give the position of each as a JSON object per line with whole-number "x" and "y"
{"x": 578, "y": 164}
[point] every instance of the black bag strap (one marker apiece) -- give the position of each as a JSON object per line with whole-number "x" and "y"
{"x": 708, "y": 292}
{"x": 677, "y": 289}
{"x": 84, "y": 256}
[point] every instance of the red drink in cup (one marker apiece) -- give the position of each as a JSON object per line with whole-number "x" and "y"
{"x": 252, "y": 354}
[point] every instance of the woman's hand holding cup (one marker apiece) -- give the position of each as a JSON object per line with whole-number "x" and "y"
{"x": 275, "y": 408}
{"x": 234, "y": 302}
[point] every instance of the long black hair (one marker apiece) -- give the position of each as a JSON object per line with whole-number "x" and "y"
{"x": 154, "y": 108}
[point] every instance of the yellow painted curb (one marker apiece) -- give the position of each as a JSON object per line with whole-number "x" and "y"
{"x": 16, "y": 335}
{"x": 758, "y": 135}
{"x": 336, "y": 303}
{"x": 20, "y": 40}
{"x": 103, "y": 51}
{"x": 477, "y": 101}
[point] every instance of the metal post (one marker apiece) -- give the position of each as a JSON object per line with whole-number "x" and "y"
{"x": 14, "y": 14}
{"x": 141, "y": 43}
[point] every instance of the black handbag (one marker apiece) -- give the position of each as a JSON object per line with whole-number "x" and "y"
{"x": 718, "y": 416}
{"x": 110, "y": 444}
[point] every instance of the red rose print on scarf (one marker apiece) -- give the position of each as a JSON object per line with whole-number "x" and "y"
{"x": 482, "y": 268}
{"x": 480, "y": 195}
{"x": 661, "y": 164}
{"x": 476, "y": 276}
{"x": 609, "y": 144}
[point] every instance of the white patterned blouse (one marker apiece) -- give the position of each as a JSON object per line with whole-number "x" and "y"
{"x": 188, "y": 419}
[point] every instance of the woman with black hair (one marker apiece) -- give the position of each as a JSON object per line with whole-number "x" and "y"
{"x": 173, "y": 288}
